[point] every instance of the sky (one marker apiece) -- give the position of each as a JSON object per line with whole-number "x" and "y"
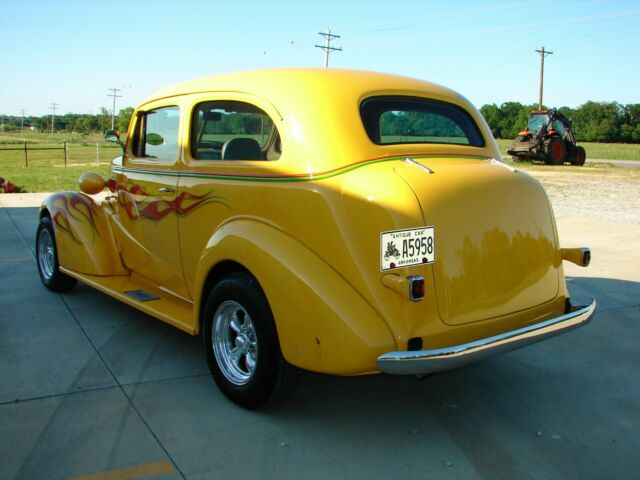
{"x": 72, "y": 52}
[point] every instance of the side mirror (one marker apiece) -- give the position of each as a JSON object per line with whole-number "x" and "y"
{"x": 154, "y": 139}
{"x": 91, "y": 183}
{"x": 114, "y": 137}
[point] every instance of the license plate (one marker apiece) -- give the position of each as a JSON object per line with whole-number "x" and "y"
{"x": 404, "y": 248}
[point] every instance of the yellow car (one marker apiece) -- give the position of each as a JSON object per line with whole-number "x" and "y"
{"x": 337, "y": 221}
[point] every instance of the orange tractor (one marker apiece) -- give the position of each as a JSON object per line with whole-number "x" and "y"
{"x": 548, "y": 137}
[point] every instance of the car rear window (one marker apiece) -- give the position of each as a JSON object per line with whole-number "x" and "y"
{"x": 397, "y": 120}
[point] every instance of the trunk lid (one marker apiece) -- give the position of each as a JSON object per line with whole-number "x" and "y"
{"x": 495, "y": 247}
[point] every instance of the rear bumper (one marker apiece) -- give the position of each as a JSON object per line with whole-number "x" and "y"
{"x": 427, "y": 361}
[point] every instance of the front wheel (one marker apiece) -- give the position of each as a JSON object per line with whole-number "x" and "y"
{"x": 242, "y": 344}
{"x": 47, "y": 257}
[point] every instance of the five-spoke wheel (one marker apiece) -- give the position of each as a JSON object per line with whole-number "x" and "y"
{"x": 234, "y": 341}
{"x": 242, "y": 344}
{"x": 47, "y": 257}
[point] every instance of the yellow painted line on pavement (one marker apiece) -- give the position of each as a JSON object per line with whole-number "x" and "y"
{"x": 139, "y": 471}
{"x": 17, "y": 260}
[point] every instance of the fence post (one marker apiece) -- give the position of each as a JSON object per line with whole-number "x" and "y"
{"x": 26, "y": 159}
{"x": 65, "y": 153}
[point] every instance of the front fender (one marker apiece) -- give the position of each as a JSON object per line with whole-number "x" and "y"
{"x": 323, "y": 323}
{"x": 84, "y": 238}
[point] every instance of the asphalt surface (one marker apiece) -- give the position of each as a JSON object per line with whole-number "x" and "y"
{"x": 93, "y": 389}
{"x": 617, "y": 163}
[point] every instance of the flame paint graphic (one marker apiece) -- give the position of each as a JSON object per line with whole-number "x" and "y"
{"x": 158, "y": 208}
{"x": 66, "y": 205}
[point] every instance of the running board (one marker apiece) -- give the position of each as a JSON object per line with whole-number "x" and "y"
{"x": 143, "y": 296}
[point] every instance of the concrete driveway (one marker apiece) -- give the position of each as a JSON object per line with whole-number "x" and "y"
{"x": 93, "y": 389}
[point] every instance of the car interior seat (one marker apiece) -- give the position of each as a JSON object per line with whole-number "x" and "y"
{"x": 241, "y": 149}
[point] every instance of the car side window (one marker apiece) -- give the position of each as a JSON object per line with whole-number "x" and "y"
{"x": 232, "y": 130}
{"x": 156, "y": 134}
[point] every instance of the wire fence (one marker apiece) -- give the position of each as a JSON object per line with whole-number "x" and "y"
{"x": 59, "y": 154}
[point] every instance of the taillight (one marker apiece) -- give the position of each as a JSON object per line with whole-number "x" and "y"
{"x": 416, "y": 288}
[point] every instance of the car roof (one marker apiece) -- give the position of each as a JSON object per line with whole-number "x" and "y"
{"x": 317, "y": 105}
{"x": 290, "y": 85}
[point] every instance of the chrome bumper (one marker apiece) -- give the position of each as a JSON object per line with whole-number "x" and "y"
{"x": 427, "y": 361}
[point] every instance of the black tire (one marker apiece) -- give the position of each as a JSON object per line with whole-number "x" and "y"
{"x": 556, "y": 151}
{"x": 579, "y": 157}
{"x": 258, "y": 374}
{"x": 47, "y": 259}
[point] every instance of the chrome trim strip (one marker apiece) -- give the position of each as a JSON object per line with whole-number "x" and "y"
{"x": 411, "y": 161}
{"x": 427, "y": 361}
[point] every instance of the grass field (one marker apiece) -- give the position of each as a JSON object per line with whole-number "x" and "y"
{"x": 46, "y": 171}
{"x": 600, "y": 151}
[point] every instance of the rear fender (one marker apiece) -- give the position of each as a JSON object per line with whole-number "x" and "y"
{"x": 84, "y": 238}
{"x": 323, "y": 324}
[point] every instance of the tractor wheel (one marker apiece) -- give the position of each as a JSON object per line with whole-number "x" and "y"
{"x": 579, "y": 157}
{"x": 556, "y": 151}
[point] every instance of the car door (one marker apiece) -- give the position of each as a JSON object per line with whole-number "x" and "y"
{"x": 231, "y": 137}
{"x": 147, "y": 195}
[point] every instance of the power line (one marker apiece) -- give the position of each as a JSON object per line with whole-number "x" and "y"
{"x": 327, "y": 48}
{"x": 53, "y": 106}
{"x": 115, "y": 95}
{"x": 543, "y": 53}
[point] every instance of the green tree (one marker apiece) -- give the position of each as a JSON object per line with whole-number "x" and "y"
{"x": 124, "y": 118}
{"x": 630, "y": 128}
{"x": 44, "y": 123}
{"x": 83, "y": 125}
{"x": 513, "y": 119}
{"x": 598, "y": 122}
{"x": 104, "y": 119}
{"x": 492, "y": 115}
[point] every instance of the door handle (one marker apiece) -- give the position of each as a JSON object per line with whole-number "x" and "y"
{"x": 166, "y": 190}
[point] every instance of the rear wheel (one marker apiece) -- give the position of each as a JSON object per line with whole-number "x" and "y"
{"x": 47, "y": 257}
{"x": 579, "y": 157}
{"x": 556, "y": 151}
{"x": 242, "y": 344}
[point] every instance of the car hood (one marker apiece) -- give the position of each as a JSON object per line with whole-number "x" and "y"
{"x": 495, "y": 239}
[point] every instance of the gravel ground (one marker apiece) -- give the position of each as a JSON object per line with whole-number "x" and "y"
{"x": 611, "y": 194}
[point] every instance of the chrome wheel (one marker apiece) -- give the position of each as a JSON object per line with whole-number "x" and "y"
{"x": 234, "y": 342}
{"x": 46, "y": 254}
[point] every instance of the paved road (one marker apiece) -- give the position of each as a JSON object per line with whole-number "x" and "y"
{"x": 617, "y": 163}
{"x": 90, "y": 386}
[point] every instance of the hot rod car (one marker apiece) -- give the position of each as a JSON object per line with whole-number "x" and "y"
{"x": 338, "y": 221}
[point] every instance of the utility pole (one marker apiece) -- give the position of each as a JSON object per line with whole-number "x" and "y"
{"x": 114, "y": 93}
{"x": 53, "y": 106}
{"x": 22, "y": 112}
{"x": 327, "y": 46}
{"x": 543, "y": 53}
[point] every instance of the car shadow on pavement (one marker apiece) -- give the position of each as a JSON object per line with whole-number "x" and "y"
{"x": 531, "y": 410}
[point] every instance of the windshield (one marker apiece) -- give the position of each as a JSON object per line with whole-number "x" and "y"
{"x": 536, "y": 122}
